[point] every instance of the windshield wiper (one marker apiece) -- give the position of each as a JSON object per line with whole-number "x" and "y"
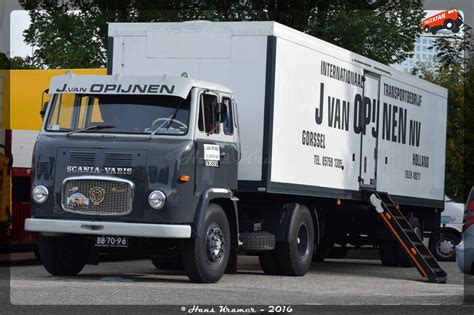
{"x": 93, "y": 127}
{"x": 169, "y": 120}
{"x": 173, "y": 117}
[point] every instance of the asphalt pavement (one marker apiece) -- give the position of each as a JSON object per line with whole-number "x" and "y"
{"x": 336, "y": 281}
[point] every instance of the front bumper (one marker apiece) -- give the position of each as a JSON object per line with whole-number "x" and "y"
{"x": 108, "y": 228}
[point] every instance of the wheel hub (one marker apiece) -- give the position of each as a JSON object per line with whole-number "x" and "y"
{"x": 445, "y": 247}
{"x": 215, "y": 243}
{"x": 302, "y": 241}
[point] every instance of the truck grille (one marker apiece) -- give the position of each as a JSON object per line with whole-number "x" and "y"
{"x": 98, "y": 195}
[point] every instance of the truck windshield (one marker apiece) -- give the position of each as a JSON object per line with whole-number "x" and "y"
{"x": 131, "y": 114}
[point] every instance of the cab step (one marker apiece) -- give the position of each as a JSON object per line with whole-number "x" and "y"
{"x": 406, "y": 237}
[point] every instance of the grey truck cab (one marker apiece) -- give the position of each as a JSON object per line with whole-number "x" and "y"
{"x": 135, "y": 164}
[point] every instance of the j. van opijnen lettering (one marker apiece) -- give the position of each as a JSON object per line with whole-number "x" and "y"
{"x": 119, "y": 88}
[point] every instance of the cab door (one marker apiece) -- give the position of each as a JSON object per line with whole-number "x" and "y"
{"x": 369, "y": 136}
{"x": 216, "y": 149}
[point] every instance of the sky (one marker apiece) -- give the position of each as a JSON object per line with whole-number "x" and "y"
{"x": 19, "y": 21}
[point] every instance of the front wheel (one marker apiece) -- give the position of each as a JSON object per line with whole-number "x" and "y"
{"x": 389, "y": 255}
{"x": 205, "y": 257}
{"x": 449, "y": 24}
{"x": 443, "y": 246}
{"x": 63, "y": 255}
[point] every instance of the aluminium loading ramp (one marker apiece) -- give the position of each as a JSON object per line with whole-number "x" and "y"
{"x": 411, "y": 243}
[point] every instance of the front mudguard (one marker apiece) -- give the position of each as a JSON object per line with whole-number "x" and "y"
{"x": 207, "y": 197}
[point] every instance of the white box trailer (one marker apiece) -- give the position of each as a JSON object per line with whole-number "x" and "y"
{"x": 316, "y": 119}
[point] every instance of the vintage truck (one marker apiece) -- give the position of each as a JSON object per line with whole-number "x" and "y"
{"x": 277, "y": 158}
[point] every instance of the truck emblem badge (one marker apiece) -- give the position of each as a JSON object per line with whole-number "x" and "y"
{"x": 97, "y": 195}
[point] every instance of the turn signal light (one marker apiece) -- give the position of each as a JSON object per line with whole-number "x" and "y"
{"x": 184, "y": 178}
{"x": 468, "y": 215}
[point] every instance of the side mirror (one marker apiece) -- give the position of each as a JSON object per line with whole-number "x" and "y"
{"x": 44, "y": 104}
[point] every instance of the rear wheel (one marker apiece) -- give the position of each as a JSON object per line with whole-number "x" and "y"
{"x": 404, "y": 259}
{"x": 322, "y": 250}
{"x": 269, "y": 263}
{"x": 294, "y": 256}
{"x": 392, "y": 254}
{"x": 205, "y": 257}
{"x": 63, "y": 255}
{"x": 388, "y": 251}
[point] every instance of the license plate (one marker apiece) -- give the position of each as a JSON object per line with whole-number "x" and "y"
{"x": 111, "y": 241}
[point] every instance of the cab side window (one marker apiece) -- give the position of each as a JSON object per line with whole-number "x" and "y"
{"x": 208, "y": 120}
{"x": 228, "y": 116}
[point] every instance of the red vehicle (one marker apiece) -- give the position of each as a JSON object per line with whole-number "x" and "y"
{"x": 449, "y": 20}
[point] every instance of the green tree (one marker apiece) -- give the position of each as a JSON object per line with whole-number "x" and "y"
{"x": 7, "y": 63}
{"x": 456, "y": 73}
{"x": 383, "y": 30}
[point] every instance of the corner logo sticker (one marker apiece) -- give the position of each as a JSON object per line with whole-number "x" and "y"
{"x": 450, "y": 20}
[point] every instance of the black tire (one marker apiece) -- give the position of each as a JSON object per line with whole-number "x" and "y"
{"x": 63, "y": 255}
{"x": 388, "y": 251}
{"x": 338, "y": 252}
{"x": 322, "y": 250}
{"x": 269, "y": 263}
{"x": 168, "y": 263}
{"x": 201, "y": 264}
{"x": 442, "y": 246}
{"x": 404, "y": 259}
{"x": 449, "y": 24}
{"x": 295, "y": 255}
{"x": 426, "y": 29}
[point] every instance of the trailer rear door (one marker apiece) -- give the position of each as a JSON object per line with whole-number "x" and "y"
{"x": 369, "y": 116}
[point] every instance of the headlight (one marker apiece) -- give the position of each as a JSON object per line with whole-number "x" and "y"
{"x": 40, "y": 194}
{"x": 157, "y": 199}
